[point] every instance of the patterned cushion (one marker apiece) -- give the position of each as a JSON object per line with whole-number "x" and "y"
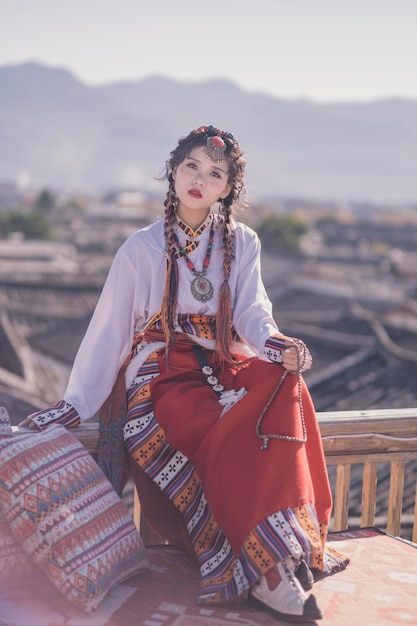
{"x": 5, "y": 426}
{"x": 66, "y": 515}
{"x": 16, "y": 566}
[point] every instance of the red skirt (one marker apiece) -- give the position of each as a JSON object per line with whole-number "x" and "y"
{"x": 243, "y": 483}
{"x": 244, "y": 507}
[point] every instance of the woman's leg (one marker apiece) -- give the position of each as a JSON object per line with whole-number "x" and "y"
{"x": 159, "y": 512}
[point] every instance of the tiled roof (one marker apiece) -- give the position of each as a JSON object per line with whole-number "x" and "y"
{"x": 353, "y": 367}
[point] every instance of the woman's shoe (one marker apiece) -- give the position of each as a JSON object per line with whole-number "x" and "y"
{"x": 288, "y": 601}
{"x": 304, "y": 575}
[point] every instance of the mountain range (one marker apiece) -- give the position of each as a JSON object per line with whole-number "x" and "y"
{"x": 65, "y": 134}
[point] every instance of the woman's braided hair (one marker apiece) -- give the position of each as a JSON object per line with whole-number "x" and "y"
{"x": 236, "y": 164}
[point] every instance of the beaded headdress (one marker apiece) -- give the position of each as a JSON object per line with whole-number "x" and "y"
{"x": 215, "y": 146}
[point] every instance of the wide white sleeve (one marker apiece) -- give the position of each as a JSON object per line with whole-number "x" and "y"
{"x": 107, "y": 341}
{"x": 252, "y": 314}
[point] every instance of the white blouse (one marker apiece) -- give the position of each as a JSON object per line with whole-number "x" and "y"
{"x": 132, "y": 295}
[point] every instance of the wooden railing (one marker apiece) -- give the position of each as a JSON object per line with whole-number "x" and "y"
{"x": 366, "y": 440}
{"x": 356, "y": 444}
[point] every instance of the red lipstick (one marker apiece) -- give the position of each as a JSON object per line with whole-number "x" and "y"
{"x": 195, "y": 193}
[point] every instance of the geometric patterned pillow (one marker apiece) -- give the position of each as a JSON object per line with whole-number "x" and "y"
{"x": 16, "y": 566}
{"x": 5, "y": 426}
{"x": 65, "y": 514}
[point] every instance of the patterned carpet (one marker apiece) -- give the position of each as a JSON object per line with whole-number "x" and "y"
{"x": 378, "y": 588}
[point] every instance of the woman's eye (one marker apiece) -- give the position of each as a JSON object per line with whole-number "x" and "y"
{"x": 192, "y": 165}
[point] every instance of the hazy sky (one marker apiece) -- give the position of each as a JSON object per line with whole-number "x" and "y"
{"x": 326, "y": 50}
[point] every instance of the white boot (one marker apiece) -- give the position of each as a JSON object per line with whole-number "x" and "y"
{"x": 288, "y": 601}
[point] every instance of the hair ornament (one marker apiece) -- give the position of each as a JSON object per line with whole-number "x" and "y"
{"x": 215, "y": 148}
{"x": 212, "y": 131}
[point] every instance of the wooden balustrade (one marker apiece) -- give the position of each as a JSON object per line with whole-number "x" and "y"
{"x": 370, "y": 439}
{"x": 351, "y": 439}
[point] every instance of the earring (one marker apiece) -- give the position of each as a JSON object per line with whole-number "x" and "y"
{"x": 222, "y": 206}
{"x": 172, "y": 195}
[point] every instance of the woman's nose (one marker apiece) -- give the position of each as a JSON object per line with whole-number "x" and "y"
{"x": 199, "y": 181}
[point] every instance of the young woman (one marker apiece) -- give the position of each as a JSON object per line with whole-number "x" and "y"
{"x": 205, "y": 393}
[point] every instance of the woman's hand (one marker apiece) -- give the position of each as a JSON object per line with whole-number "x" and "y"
{"x": 296, "y": 357}
{"x": 28, "y": 423}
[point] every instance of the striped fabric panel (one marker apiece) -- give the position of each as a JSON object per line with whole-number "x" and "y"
{"x": 291, "y": 532}
{"x": 203, "y": 326}
{"x": 66, "y": 515}
{"x": 285, "y": 534}
{"x": 61, "y": 412}
{"x": 274, "y": 346}
{"x": 139, "y": 397}
{"x": 148, "y": 370}
{"x": 191, "y": 324}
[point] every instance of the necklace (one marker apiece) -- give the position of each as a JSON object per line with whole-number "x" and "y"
{"x": 201, "y": 287}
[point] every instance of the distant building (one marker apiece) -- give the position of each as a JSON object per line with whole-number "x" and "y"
{"x": 17, "y": 254}
{"x": 10, "y": 197}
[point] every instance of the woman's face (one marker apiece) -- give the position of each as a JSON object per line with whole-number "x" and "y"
{"x": 199, "y": 183}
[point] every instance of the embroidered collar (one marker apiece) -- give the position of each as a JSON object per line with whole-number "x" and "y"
{"x": 189, "y": 232}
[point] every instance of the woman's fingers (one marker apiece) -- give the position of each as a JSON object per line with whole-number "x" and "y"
{"x": 290, "y": 358}
{"x": 297, "y": 358}
{"x": 27, "y": 423}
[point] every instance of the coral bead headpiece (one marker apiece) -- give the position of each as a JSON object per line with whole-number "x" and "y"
{"x": 215, "y": 146}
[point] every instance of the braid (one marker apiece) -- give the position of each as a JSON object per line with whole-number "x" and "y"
{"x": 228, "y": 241}
{"x": 170, "y": 298}
{"x": 224, "y": 308}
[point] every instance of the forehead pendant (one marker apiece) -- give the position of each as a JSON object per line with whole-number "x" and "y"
{"x": 215, "y": 148}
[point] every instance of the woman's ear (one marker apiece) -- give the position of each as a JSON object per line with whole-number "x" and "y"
{"x": 226, "y": 191}
{"x": 174, "y": 173}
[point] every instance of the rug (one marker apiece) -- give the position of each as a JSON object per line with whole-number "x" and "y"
{"x": 379, "y": 588}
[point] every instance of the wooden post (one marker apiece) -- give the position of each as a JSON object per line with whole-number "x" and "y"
{"x": 369, "y": 481}
{"x": 395, "y": 505}
{"x": 341, "y": 502}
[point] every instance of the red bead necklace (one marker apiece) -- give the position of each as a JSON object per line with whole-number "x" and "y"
{"x": 201, "y": 288}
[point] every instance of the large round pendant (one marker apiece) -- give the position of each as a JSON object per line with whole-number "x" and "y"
{"x": 202, "y": 289}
